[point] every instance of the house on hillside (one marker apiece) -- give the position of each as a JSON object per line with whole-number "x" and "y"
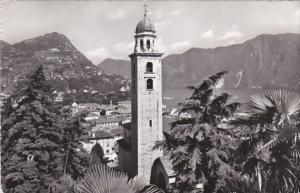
{"x": 107, "y": 123}
{"x": 108, "y": 141}
{"x": 92, "y": 116}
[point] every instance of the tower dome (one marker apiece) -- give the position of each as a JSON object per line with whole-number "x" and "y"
{"x": 74, "y": 104}
{"x": 145, "y": 25}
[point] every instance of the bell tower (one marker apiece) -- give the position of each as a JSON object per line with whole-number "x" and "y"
{"x": 146, "y": 76}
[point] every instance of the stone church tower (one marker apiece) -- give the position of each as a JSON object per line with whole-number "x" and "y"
{"x": 146, "y": 97}
{"x": 146, "y": 123}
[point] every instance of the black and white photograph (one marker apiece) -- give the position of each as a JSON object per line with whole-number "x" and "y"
{"x": 150, "y": 96}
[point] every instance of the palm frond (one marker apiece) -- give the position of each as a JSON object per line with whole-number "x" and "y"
{"x": 102, "y": 179}
{"x": 216, "y": 77}
{"x": 280, "y": 101}
{"x": 294, "y": 152}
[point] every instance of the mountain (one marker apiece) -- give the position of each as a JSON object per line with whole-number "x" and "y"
{"x": 121, "y": 67}
{"x": 263, "y": 62}
{"x": 66, "y": 68}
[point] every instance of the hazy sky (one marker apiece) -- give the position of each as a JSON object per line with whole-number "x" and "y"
{"x": 102, "y": 29}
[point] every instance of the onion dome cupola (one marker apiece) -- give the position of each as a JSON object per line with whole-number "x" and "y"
{"x": 145, "y": 35}
{"x": 145, "y": 25}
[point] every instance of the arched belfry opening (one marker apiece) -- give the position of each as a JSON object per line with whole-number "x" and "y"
{"x": 149, "y": 67}
{"x": 142, "y": 45}
{"x": 148, "y": 44}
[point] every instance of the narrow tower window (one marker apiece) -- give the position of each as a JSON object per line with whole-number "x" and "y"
{"x": 148, "y": 44}
{"x": 149, "y": 67}
{"x": 149, "y": 84}
{"x": 150, "y": 123}
{"x": 142, "y": 45}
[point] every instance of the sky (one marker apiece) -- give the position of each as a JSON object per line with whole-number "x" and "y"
{"x": 105, "y": 29}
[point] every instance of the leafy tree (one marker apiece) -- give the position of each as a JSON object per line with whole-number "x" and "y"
{"x": 33, "y": 139}
{"x": 200, "y": 148}
{"x": 64, "y": 184}
{"x": 270, "y": 131}
{"x": 239, "y": 185}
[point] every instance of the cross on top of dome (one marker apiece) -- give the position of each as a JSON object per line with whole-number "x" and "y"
{"x": 146, "y": 8}
{"x": 145, "y": 25}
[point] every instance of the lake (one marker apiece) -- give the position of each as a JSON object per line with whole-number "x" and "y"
{"x": 173, "y": 96}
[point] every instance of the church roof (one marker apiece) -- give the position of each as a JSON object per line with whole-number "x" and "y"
{"x": 167, "y": 165}
{"x": 145, "y": 25}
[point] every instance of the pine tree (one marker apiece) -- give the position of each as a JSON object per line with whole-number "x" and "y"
{"x": 200, "y": 149}
{"x": 33, "y": 138}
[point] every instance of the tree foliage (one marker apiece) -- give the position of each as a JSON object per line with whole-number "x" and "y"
{"x": 102, "y": 179}
{"x": 35, "y": 139}
{"x": 200, "y": 148}
{"x": 269, "y": 151}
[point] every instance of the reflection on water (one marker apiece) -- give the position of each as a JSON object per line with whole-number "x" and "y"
{"x": 173, "y": 96}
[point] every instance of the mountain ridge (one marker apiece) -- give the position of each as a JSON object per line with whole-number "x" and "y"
{"x": 66, "y": 68}
{"x": 265, "y": 61}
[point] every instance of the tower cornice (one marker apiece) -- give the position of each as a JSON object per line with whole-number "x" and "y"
{"x": 147, "y": 54}
{"x": 146, "y": 35}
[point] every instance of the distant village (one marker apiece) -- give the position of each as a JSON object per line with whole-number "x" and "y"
{"x": 108, "y": 123}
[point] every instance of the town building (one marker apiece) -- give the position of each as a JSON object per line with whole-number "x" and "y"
{"x": 106, "y": 123}
{"x": 95, "y": 111}
{"x": 59, "y": 97}
{"x": 108, "y": 141}
{"x": 124, "y": 108}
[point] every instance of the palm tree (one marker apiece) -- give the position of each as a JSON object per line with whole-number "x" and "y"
{"x": 269, "y": 131}
{"x": 102, "y": 179}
